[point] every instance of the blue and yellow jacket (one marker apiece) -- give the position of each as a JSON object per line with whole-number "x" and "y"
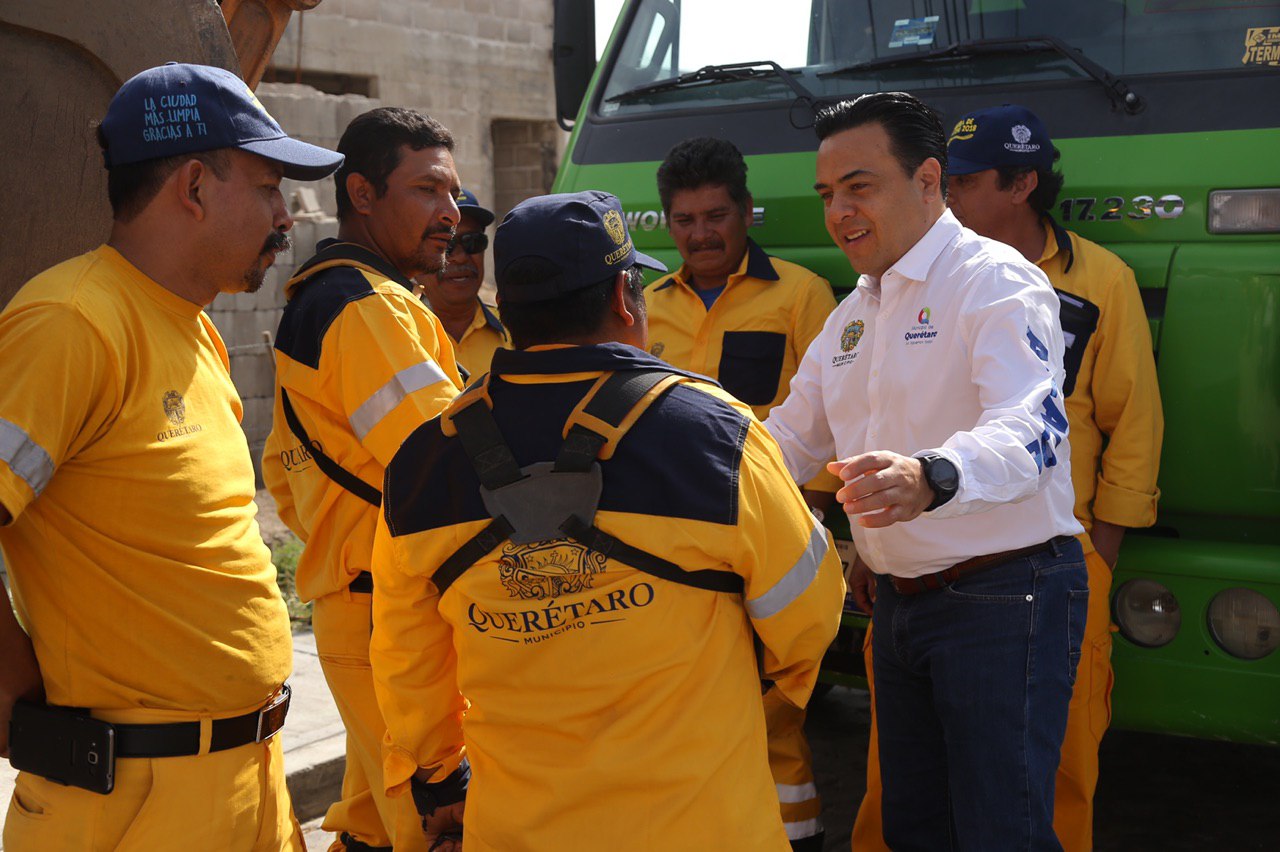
{"x": 591, "y": 699}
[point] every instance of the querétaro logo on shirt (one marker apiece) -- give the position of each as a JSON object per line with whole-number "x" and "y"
{"x": 848, "y": 342}
{"x": 923, "y": 331}
{"x": 657, "y": 349}
{"x": 553, "y": 575}
{"x": 175, "y": 409}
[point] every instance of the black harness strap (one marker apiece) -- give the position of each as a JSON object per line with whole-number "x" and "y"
{"x": 475, "y": 549}
{"x": 328, "y": 466}
{"x": 613, "y": 548}
{"x": 611, "y": 403}
{"x": 485, "y": 447}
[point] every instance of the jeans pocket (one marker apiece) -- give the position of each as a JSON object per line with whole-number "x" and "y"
{"x": 751, "y": 364}
{"x": 1077, "y": 614}
{"x": 1006, "y": 584}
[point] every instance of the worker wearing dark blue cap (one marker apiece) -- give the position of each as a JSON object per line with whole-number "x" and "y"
{"x": 604, "y": 641}
{"x": 126, "y": 497}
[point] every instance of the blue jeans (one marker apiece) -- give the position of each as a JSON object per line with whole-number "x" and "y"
{"x": 972, "y": 686}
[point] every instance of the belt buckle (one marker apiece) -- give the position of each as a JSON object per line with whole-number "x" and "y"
{"x": 271, "y": 717}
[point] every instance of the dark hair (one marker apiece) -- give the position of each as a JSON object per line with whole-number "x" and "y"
{"x": 131, "y": 187}
{"x": 913, "y": 127}
{"x": 1048, "y": 184}
{"x": 371, "y": 144}
{"x": 703, "y": 161}
{"x": 576, "y": 315}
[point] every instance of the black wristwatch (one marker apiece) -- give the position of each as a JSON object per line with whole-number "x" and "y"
{"x": 942, "y": 477}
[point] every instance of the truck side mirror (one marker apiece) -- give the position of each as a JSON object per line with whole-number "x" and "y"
{"x": 573, "y": 55}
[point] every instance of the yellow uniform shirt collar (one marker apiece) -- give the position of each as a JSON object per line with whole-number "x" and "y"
{"x": 755, "y": 263}
{"x": 1056, "y": 240}
{"x": 167, "y": 299}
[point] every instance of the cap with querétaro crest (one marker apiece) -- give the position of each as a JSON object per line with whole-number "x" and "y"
{"x": 583, "y": 235}
{"x": 178, "y": 108}
{"x": 1007, "y": 135}
{"x": 468, "y": 204}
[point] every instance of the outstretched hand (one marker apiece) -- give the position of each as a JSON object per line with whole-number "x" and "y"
{"x": 882, "y": 488}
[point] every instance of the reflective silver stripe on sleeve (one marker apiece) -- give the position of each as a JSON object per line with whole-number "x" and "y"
{"x": 27, "y": 458}
{"x": 795, "y": 581}
{"x": 800, "y": 829}
{"x": 790, "y": 794}
{"x": 386, "y": 398}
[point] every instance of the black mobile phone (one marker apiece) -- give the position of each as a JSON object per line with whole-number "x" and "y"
{"x": 64, "y": 745}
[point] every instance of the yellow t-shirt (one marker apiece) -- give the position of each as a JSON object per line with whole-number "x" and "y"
{"x": 135, "y": 556}
{"x": 753, "y": 337}
{"x": 1113, "y": 398}
{"x": 364, "y": 363}
{"x": 482, "y": 338}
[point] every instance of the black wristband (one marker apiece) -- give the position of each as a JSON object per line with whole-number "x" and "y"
{"x": 428, "y": 797}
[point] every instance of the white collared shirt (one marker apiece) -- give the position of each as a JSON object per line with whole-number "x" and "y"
{"x": 957, "y": 350}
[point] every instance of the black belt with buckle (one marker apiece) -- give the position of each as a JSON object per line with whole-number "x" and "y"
{"x": 363, "y": 583}
{"x": 932, "y": 582}
{"x": 179, "y": 739}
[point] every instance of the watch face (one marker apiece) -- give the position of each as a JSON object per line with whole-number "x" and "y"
{"x": 942, "y": 474}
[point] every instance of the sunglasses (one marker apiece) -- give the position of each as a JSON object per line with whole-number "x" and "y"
{"x": 473, "y": 243}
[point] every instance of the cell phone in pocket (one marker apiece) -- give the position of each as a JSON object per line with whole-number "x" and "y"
{"x": 63, "y": 744}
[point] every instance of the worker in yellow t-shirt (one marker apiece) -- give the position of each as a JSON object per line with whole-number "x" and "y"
{"x": 1003, "y": 185}
{"x": 360, "y": 363}
{"x": 454, "y": 294}
{"x": 126, "y": 498}
{"x": 744, "y": 318}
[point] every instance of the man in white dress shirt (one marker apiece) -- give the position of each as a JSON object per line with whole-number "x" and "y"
{"x": 938, "y": 383}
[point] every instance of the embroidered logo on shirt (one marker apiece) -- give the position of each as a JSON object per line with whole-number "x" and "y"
{"x": 657, "y": 349}
{"x": 848, "y": 342}
{"x": 923, "y": 331}
{"x": 548, "y": 569}
{"x": 174, "y": 408}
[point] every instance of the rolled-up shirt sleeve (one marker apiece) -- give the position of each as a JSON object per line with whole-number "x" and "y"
{"x": 1010, "y": 325}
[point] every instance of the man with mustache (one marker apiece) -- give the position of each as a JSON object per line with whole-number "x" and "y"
{"x": 454, "y": 294}
{"x": 360, "y": 363}
{"x": 744, "y": 318}
{"x": 126, "y": 497}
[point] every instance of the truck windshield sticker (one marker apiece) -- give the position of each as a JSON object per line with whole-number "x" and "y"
{"x": 1262, "y": 46}
{"x": 913, "y": 31}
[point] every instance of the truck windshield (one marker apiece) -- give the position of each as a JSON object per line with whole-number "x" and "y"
{"x": 665, "y": 39}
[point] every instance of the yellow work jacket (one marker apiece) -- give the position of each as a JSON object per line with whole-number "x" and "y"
{"x": 364, "y": 363}
{"x": 754, "y": 336}
{"x": 482, "y": 338}
{"x": 1113, "y": 400}
{"x": 601, "y": 706}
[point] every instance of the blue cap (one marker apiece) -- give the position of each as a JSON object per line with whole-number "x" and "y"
{"x": 468, "y": 204}
{"x": 583, "y": 235}
{"x": 1007, "y": 135}
{"x": 178, "y": 109}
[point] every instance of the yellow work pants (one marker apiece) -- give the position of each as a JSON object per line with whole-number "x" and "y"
{"x": 343, "y": 622}
{"x": 1087, "y": 719}
{"x": 233, "y": 799}
{"x": 792, "y": 768}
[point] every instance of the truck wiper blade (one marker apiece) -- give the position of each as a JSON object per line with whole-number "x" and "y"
{"x": 1117, "y": 89}
{"x": 718, "y": 74}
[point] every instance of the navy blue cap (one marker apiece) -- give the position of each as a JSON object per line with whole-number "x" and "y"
{"x": 1007, "y": 135}
{"x": 468, "y": 204}
{"x": 582, "y": 234}
{"x": 178, "y": 109}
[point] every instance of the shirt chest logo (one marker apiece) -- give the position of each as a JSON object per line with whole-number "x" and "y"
{"x": 923, "y": 331}
{"x": 849, "y": 342}
{"x": 175, "y": 409}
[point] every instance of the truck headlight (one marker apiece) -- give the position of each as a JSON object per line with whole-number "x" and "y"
{"x": 1244, "y": 623}
{"x": 1147, "y": 613}
{"x": 1244, "y": 211}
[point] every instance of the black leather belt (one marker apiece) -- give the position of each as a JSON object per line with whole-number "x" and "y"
{"x": 179, "y": 739}
{"x": 363, "y": 583}
{"x": 931, "y": 582}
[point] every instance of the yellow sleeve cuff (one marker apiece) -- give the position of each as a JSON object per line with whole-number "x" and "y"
{"x": 398, "y": 767}
{"x": 1123, "y": 507}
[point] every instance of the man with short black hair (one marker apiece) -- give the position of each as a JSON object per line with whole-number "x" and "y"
{"x": 126, "y": 497}
{"x": 582, "y": 545}
{"x": 360, "y": 363}
{"x": 454, "y": 293}
{"x": 743, "y": 317}
{"x": 938, "y": 381}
